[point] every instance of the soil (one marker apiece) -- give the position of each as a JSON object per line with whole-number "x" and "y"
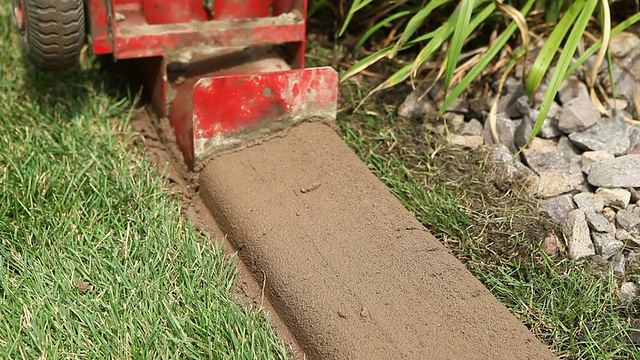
{"x": 350, "y": 271}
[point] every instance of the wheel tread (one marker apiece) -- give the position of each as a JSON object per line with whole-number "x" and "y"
{"x": 55, "y": 33}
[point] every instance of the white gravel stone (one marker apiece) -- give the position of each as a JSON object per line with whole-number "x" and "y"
{"x": 609, "y": 213}
{"x": 627, "y": 220}
{"x": 606, "y": 244}
{"x": 553, "y": 184}
{"x": 472, "y": 128}
{"x": 466, "y": 141}
{"x": 599, "y": 223}
{"x": 591, "y": 157}
{"x": 589, "y": 202}
{"x": 616, "y": 198}
{"x": 628, "y": 292}
{"x": 613, "y": 136}
{"x": 619, "y": 262}
{"x": 577, "y": 115}
{"x": 623, "y": 172}
{"x": 576, "y": 231}
{"x": 557, "y": 207}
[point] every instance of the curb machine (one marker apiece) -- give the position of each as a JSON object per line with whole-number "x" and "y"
{"x": 224, "y": 72}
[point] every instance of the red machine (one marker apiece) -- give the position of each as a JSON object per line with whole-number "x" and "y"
{"x": 225, "y": 72}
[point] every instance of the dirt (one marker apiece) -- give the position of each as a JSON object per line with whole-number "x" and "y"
{"x": 161, "y": 149}
{"x": 350, "y": 271}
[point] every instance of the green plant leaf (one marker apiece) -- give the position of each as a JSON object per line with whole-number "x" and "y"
{"x": 596, "y": 45}
{"x": 485, "y": 60}
{"x": 547, "y": 53}
{"x": 447, "y": 29}
{"x": 315, "y": 6}
{"x": 373, "y": 58}
{"x": 613, "y": 83}
{"x": 587, "y": 8}
{"x": 493, "y": 111}
{"x": 393, "y": 80}
{"x": 365, "y": 63}
{"x": 416, "y": 21}
{"x": 356, "y": 6}
{"x": 460, "y": 34}
{"x": 438, "y": 37}
{"x": 441, "y": 35}
{"x": 379, "y": 25}
{"x": 552, "y": 10}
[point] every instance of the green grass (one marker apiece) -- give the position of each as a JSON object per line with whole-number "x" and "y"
{"x": 494, "y": 230}
{"x": 95, "y": 260}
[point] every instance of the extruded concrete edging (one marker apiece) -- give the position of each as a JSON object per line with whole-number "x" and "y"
{"x": 351, "y": 272}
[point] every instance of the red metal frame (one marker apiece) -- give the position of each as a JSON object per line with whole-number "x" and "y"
{"x": 221, "y": 75}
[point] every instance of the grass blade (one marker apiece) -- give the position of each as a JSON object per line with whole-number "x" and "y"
{"x": 553, "y": 10}
{"x": 438, "y": 37}
{"x": 606, "y": 36}
{"x": 493, "y": 111}
{"x": 518, "y": 19}
{"x": 446, "y": 30}
{"x": 375, "y": 57}
{"x": 613, "y": 85}
{"x": 315, "y": 6}
{"x": 441, "y": 35}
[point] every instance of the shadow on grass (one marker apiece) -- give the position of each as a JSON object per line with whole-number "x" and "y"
{"x": 66, "y": 94}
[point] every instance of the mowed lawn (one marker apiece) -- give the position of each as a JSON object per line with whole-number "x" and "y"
{"x": 95, "y": 259}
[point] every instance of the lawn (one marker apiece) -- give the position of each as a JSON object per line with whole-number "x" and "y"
{"x": 95, "y": 260}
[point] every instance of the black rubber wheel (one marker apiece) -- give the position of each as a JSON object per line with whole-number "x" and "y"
{"x": 52, "y": 33}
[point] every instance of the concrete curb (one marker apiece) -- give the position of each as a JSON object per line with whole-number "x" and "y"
{"x": 351, "y": 272}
